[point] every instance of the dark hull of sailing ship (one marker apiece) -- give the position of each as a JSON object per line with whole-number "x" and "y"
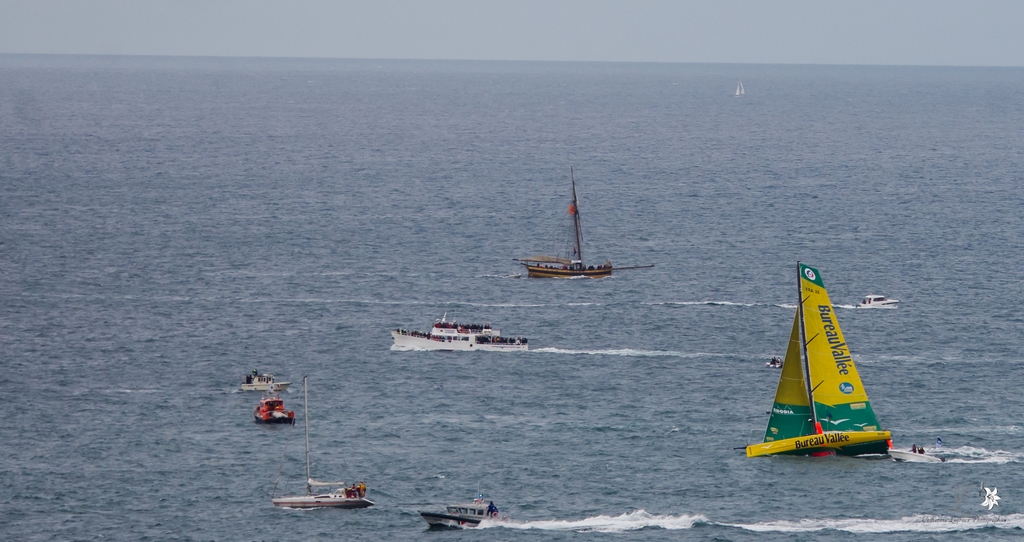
{"x": 566, "y": 271}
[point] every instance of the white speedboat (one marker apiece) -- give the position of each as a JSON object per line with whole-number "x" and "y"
{"x": 445, "y": 335}
{"x": 463, "y": 515}
{"x": 263, "y": 382}
{"x": 910, "y": 456}
{"x": 872, "y": 301}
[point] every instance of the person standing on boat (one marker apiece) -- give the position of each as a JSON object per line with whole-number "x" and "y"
{"x": 492, "y": 510}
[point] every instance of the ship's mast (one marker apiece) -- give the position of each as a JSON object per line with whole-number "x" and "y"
{"x": 305, "y": 415}
{"x": 576, "y": 216}
{"x": 803, "y": 343}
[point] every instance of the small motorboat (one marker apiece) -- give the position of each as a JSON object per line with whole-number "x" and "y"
{"x": 463, "y": 515}
{"x": 263, "y": 382}
{"x": 872, "y": 301}
{"x": 271, "y": 410}
{"x": 774, "y": 363}
{"x": 914, "y": 455}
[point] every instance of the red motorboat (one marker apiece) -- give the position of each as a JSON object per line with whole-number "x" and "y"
{"x": 271, "y": 410}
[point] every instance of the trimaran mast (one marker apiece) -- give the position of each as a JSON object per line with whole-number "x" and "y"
{"x": 576, "y": 217}
{"x": 803, "y": 343}
{"x": 305, "y": 416}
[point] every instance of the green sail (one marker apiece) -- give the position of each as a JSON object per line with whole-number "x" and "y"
{"x": 791, "y": 412}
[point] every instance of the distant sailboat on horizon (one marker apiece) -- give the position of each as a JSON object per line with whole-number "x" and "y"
{"x": 739, "y": 90}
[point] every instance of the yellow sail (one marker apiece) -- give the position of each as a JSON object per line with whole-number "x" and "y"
{"x": 840, "y": 402}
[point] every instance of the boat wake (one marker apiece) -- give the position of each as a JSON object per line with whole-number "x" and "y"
{"x": 921, "y": 523}
{"x": 719, "y": 303}
{"x": 626, "y": 352}
{"x": 641, "y": 519}
{"x": 631, "y": 521}
{"x": 969, "y": 454}
{"x": 714, "y": 303}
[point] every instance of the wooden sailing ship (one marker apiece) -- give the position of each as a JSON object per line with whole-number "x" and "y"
{"x": 570, "y": 264}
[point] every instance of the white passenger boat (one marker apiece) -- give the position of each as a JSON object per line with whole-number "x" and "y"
{"x": 263, "y": 382}
{"x": 445, "y": 335}
{"x": 872, "y": 301}
{"x": 463, "y": 515}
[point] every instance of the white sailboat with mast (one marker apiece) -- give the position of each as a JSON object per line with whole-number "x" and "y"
{"x": 740, "y": 91}
{"x": 342, "y": 497}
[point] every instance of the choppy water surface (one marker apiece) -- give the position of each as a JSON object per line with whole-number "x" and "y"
{"x": 167, "y": 225}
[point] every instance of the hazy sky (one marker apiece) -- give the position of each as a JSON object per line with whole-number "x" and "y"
{"x": 913, "y": 32}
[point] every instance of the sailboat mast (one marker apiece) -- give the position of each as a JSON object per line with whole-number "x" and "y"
{"x": 576, "y": 216}
{"x": 803, "y": 345}
{"x": 305, "y": 416}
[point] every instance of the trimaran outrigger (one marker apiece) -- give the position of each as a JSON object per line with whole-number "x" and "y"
{"x": 818, "y": 370}
{"x": 571, "y": 264}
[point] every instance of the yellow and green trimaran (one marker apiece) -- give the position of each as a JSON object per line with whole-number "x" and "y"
{"x": 819, "y": 370}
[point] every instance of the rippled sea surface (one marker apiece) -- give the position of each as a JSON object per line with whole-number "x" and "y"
{"x": 168, "y": 225}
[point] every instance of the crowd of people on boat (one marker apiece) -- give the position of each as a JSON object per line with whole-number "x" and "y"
{"x": 462, "y": 328}
{"x": 413, "y": 333}
{"x": 357, "y": 491}
{"x": 482, "y": 339}
{"x": 577, "y": 267}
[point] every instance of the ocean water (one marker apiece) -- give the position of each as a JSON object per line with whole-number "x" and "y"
{"x": 168, "y": 225}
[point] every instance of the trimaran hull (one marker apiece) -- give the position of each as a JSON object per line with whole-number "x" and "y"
{"x": 829, "y": 442}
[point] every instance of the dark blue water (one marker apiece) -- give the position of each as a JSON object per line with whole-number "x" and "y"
{"x": 167, "y": 225}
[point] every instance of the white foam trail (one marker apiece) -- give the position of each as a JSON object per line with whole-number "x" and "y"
{"x": 714, "y": 303}
{"x": 921, "y": 523}
{"x": 626, "y": 352}
{"x": 727, "y": 303}
{"x": 631, "y": 521}
{"x": 969, "y": 454}
{"x": 397, "y": 348}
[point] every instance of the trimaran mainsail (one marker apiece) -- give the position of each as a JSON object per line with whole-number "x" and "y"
{"x": 818, "y": 370}
{"x": 570, "y": 264}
